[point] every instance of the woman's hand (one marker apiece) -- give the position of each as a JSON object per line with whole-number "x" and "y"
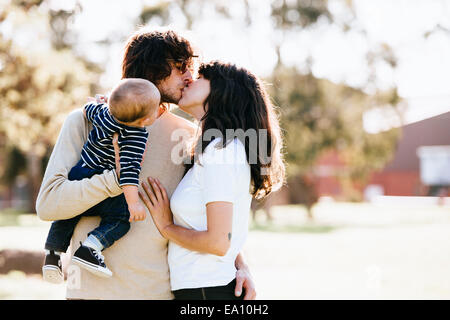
{"x": 157, "y": 202}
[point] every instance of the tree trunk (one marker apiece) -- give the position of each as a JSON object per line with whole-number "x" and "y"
{"x": 310, "y": 213}
{"x": 34, "y": 172}
{"x": 9, "y": 197}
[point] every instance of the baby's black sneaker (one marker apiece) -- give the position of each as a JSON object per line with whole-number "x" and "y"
{"x": 52, "y": 269}
{"x": 91, "y": 260}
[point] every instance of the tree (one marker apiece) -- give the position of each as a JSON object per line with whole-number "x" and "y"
{"x": 318, "y": 115}
{"x": 39, "y": 87}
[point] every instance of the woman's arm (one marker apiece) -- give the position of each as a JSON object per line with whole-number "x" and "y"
{"x": 60, "y": 198}
{"x": 215, "y": 240}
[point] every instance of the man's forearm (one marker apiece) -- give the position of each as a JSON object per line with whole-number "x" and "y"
{"x": 60, "y": 198}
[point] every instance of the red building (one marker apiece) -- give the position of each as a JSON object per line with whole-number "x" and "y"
{"x": 400, "y": 177}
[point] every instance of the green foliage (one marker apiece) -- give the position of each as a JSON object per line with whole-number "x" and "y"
{"x": 38, "y": 87}
{"x": 318, "y": 115}
{"x": 299, "y": 13}
{"x": 160, "y": 10}
{"x": 192, "y": 10}
{"x": 38, "y": 92}
{"x": 40, "y": 83}
{"x": 26, "y": 4}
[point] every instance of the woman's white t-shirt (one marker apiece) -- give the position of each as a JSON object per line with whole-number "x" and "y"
{"x": 222, "y": 175}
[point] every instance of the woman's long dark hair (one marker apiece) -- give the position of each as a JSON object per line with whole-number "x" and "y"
{"x": 238, "y": 101}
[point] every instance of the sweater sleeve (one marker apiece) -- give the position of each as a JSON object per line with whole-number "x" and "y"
{"x": 60, "y": 198}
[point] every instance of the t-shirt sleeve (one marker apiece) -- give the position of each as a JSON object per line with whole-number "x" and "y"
{"x": 222, "y": 170}
{"x": 92, "y": 109}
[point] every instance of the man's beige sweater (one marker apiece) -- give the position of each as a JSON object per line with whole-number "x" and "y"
{"x": 139, "y": 259}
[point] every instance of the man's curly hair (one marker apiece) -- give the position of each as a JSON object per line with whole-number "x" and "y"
{"x": 148, "y": 54}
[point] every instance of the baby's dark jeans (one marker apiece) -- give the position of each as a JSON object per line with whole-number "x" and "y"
{"x": 113, "y": 212}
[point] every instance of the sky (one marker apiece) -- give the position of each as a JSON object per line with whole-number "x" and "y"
{"x": 422, "y": 75}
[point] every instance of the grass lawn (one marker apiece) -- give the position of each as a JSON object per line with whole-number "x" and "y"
{"x": 349, "y": 251}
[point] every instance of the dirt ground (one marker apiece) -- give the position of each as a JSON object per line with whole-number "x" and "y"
{"x": 349, "y": 251}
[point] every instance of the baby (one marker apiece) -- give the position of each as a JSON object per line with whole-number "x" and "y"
{"x": 133, "y": 104}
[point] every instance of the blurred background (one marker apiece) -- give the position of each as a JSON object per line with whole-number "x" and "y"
{"x": 363, "y": 92}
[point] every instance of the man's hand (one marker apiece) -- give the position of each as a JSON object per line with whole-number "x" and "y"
{"x": 244, "y": 281}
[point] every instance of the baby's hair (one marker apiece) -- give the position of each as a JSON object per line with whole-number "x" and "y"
{"x": 133, "y": 99}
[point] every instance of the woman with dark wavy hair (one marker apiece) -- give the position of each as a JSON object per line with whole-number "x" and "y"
{"x": 237, "y": 156}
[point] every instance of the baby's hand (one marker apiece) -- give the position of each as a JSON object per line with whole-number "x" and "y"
{"x": 101, "y": 98}
{"x": 137, "y": 211}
